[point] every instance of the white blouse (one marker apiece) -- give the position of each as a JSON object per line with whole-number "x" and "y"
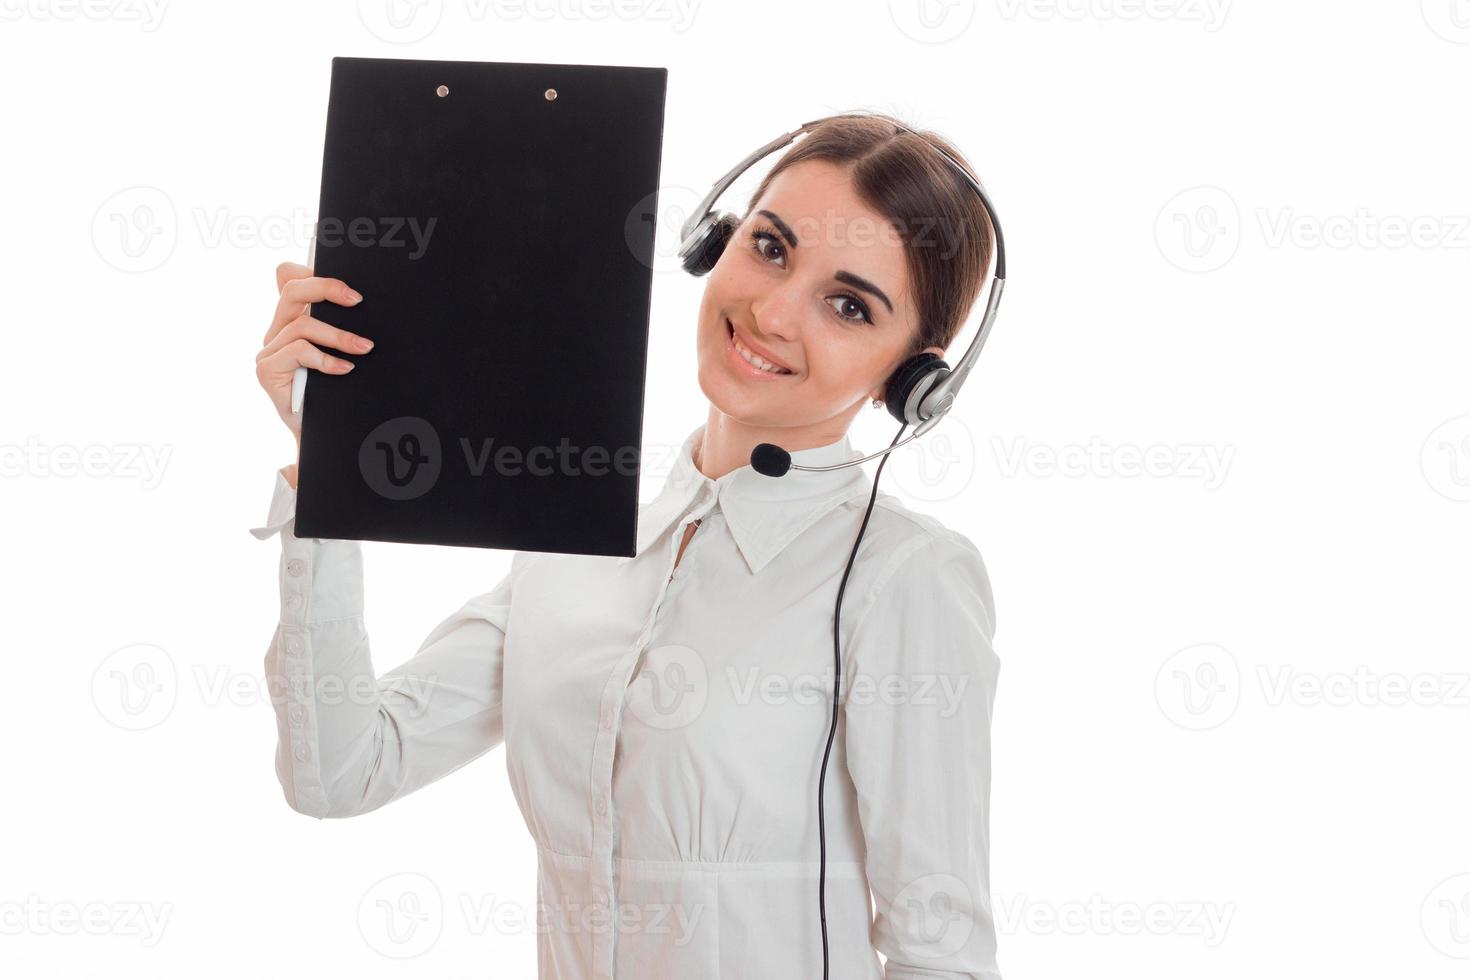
{"x": 664, "y": 732}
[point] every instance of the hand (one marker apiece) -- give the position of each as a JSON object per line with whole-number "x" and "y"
{"x": 288, "y": 342}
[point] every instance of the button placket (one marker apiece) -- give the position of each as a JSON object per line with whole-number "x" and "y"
{"x": 296, "y": 680}
{"x": 297, "y": 667}
{"x": 603, "y": 753}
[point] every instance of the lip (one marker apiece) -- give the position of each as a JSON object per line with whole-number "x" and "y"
{"x": 745, "y": 366}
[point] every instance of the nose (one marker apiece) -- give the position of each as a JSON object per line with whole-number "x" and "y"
{"x": 777, "y": 314}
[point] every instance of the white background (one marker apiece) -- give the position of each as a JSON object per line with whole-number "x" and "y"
{"x": 1231, "y": 732}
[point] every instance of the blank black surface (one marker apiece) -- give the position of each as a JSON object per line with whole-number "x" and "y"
{"x": 515, "y": 316}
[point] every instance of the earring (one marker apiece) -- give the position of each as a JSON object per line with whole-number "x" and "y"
{"x": 877, "y": 403}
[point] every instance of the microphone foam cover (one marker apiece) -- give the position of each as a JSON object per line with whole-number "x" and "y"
{"x": 769, "y": 460}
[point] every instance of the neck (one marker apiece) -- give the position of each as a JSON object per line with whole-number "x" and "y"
{"x": 727, "y": 442}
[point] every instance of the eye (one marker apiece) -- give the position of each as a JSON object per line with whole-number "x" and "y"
{"x": 864, "y": 315}
{"x": 758, "y": 238}
{"x": 761, "y": 238}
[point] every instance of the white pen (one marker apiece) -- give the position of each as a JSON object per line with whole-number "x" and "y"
{"x": 298, "y": 377}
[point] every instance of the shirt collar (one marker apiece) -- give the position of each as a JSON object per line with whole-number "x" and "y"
{"x": 764, "y": 513}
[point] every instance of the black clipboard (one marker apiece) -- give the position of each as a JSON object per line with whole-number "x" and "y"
{"x": 498, "y": 219}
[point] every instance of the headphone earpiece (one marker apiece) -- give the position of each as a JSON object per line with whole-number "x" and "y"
{"x": 704, "y": 247}
{"x": 909, "y": 382}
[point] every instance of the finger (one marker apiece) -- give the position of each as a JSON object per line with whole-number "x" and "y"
{"x": 322, "y": 333}
{"x": 276, "y": 370}
{"x": 287, "y": 271}
{"x": 313, "y": 289}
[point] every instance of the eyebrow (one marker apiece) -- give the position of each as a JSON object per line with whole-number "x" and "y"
{"x": 861, "y": 283}
{"x": 856, "y": 281}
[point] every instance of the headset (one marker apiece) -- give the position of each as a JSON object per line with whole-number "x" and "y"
{"x": 919, "y": 392}
{"x": 922, "y": 389}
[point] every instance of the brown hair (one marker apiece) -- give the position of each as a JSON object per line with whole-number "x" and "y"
{"x": 946, "y": 233}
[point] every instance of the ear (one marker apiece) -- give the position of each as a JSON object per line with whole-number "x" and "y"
{"x": 879, "y": 391}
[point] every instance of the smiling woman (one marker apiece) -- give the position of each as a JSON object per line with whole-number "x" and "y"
{"x": 660, "y": 713}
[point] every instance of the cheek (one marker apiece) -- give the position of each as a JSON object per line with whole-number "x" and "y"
{"x": 840, "y": 362}
{"x": 729, "y": 275}
{"x": 720, "y": 288}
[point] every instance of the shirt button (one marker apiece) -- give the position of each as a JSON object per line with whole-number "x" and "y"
{"x": 297, "y": 715}
{"x": 295, "y": 567}
{"x": 293, "y": 601}
{"x": 302, "y": 753}
{"x": 601, "y": 807}
{"x": 293, "y": 645}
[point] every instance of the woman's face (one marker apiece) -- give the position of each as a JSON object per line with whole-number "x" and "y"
{"x": 816, "y": 282}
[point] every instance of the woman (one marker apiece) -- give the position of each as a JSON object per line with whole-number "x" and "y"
{"x": 665, "y": 716}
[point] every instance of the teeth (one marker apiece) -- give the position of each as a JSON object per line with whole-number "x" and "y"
{"x": 756, "y": 359}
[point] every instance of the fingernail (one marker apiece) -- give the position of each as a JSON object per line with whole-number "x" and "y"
{"x": 348, "y": 365}
{"x": 364, "y": 344}
{"x": 353, "y": 296}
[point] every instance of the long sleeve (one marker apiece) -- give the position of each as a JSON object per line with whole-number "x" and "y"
{"x": 919, "y": 687}
{"x": 347, "y": 741}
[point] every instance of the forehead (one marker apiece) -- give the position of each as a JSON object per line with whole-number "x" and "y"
{"x": 818, "y": 202}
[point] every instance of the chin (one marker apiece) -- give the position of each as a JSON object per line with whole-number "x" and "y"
{"x": 740, "y": 403}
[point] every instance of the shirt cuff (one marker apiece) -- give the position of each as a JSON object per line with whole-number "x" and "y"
{"x": 282, "y": 510}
